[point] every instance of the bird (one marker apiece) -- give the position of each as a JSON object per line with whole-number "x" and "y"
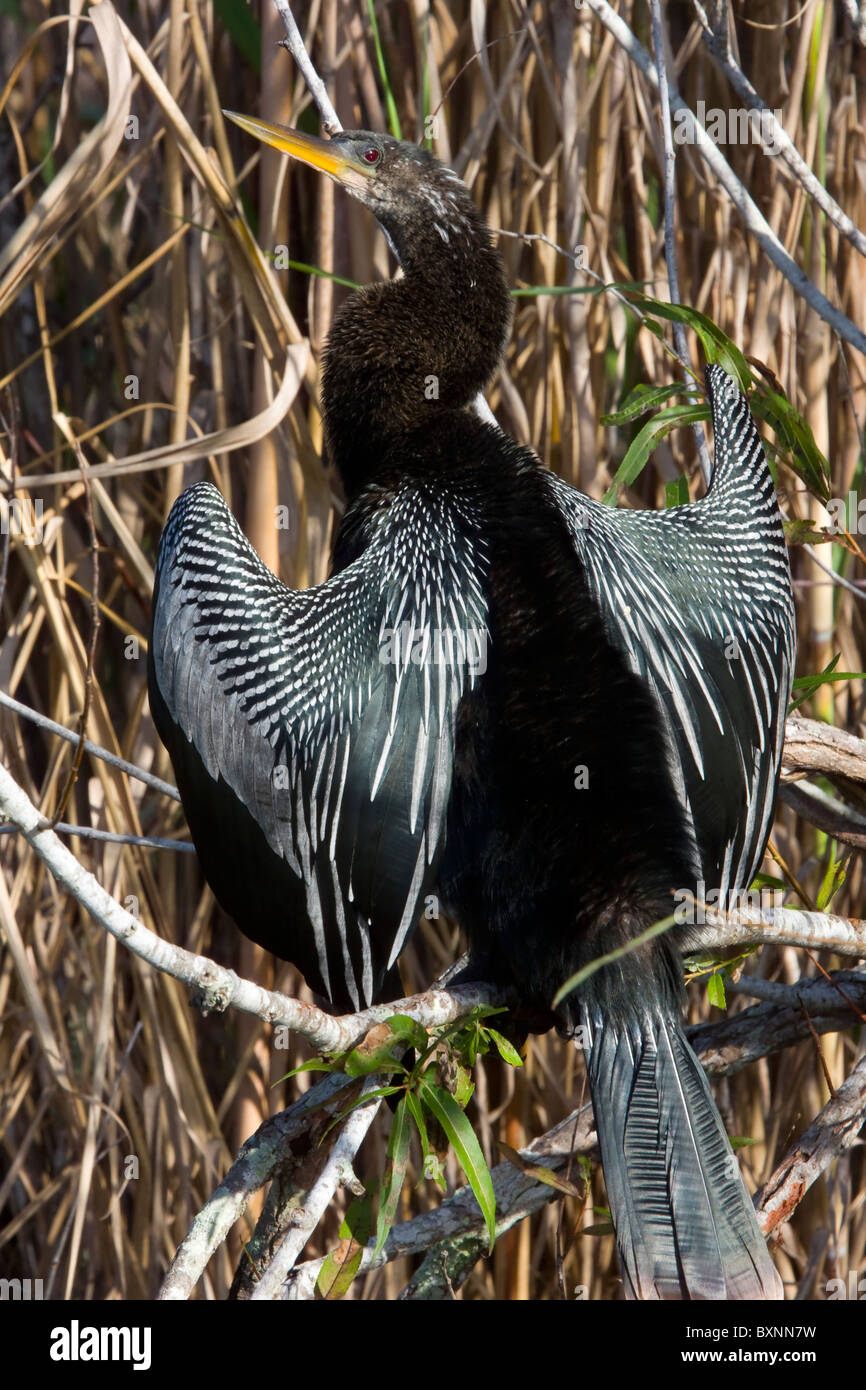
{"x": 545, "y": 714}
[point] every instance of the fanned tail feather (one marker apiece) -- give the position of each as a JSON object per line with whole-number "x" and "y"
{"x": 684, "y": 1223}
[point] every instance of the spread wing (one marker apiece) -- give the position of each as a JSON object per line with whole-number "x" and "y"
{"x": 312, "y": 731}
{"x": 698, "y": 598}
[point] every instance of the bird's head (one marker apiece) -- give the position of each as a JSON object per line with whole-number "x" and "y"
{"x": 408, "y": 191}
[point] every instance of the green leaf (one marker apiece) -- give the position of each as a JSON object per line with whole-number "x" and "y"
{"x": 538, "y": 1171}
{"x": 395, "y": 1173}
{"x": 799, "y": 531}
{"x": 600, "y": 1228}
{"x": 410, "y": 1032}
{"x": 716, "y": 989}
{"x": 677, "y": 492}
{"x": 306, "y": 269}
{"x": 834, "y": 877}
{"x": 317, "y": 1064}
{"x": 738, "y": 1141}
{"x": 807, "y": 460}
{"x": 341, "y": 1265}
{"x": 240, "y": 22}
{"x": 642, "y": 399}
{"x": 646, "y": 440}
{"x": 462, "y": 1138}
{"x": 403, "y": 1033}
{"x": 380, "y": 1059}
{"x": 717, "y": 346}
{"x": 809, "y": 684}
{"x": 464, "y": 1087}
{"x": 507, "y": 1051}
{"x": 390, "y": 103}
{"x": 431, "y": 1163}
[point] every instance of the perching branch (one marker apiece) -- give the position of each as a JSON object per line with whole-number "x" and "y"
{"x": 454, "y": 1232}
{"x": 216, "y": 986}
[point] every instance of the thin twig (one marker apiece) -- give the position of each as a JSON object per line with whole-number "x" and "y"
{"x": 89, "y": 832}
{"x": 336, "y": 1171}
{"x": 43, "y": 722}
{"x": 294, "y": 43}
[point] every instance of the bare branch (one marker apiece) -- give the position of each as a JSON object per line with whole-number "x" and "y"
{"x": 811, "y": 746}
{"x": 216, "y": 986}
{"x": 255, "y": 1165}
{"x": 131, "y": 770}
{"x": 834, "y": 1130}
{"x": 296, "y": 46}
{"x": 336, "y": 1170}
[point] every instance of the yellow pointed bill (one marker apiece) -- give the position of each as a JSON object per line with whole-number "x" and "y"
{"x": 326, "y": 155}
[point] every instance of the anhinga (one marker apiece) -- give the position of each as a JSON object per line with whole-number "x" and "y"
{"x": 551, "y": 713}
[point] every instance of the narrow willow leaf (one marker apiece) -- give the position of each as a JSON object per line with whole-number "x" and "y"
{"x": 341, "y": 1265}
{"x": 538, "y": 1171}
{"x": 646, "y": 440}
{"x": 431, "y": 1163}
{"x": 317, "y": 1064}
{"x": 592, "y": 966}
{"x": 808, "y": 462}
{"x": 395, "y": 1172}
{"x": 462, "y": 1138}
{"x": 717, "y": 346}
{"x": 641, "y": 399}
{"x": 716, "y": 990}
{"x": 833, "y": 879}
{"x": 507, "y": 1051}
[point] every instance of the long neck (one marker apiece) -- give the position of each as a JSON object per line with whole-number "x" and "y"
{"x": 401, "y": 352}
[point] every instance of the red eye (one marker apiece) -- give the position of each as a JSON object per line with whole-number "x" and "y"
{"x": 372, "y": 155}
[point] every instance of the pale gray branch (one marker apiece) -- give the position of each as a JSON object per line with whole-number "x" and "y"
{"x": 835, "y": 1129}
{"x": 43, "y": 722}
{"x": 295, "y": 45}
{"x": 216, "y": 986}
{"x": 336, "y": 1171}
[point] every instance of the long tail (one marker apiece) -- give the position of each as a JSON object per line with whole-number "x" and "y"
{"x": 685, "y": 1226}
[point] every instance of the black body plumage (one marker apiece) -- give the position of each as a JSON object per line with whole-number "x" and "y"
{"x": 548, "y": 713}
